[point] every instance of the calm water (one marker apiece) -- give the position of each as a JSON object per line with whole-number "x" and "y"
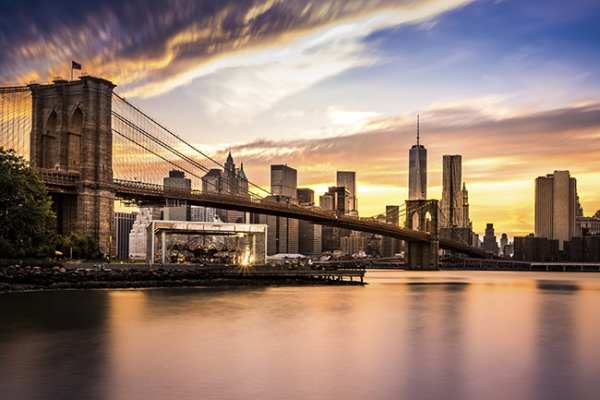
{"x": 434, "y": 335}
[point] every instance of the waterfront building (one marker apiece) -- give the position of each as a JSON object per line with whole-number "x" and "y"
{"x": 194, "y": 242}
{"x": 347, "y": 179}
{"x": 556, "y": 207}
{"x": 489, "y": 240}
{"x": 530, "y": 248}
{"x": 417, "y": 170}
{"x": 123, "y": 224}
{"x": 137, "y": 235}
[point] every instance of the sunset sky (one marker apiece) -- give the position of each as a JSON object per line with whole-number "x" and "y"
{"x": 512, "y": 85}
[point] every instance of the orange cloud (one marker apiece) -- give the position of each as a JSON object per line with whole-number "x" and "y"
{"x": 501, "y": 158}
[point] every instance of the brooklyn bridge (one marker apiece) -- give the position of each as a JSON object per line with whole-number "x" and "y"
{"x": 92, "y": 147}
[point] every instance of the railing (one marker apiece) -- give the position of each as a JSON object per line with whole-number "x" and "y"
{"x": 58, "y": 177}
{"x": 266, "y": 205}
{"x": 14, "y": 89}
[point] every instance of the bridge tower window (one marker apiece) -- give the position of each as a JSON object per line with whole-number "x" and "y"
{"x": 50, "y": 143}
{"x": 74, "y": 140}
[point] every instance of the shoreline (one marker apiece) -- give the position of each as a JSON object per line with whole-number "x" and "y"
{"x": 19, "y": 279}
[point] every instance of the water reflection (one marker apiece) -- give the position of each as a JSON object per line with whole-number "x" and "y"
{"x": 436, "y": 344}
{"x": 553, "y": 285}
{"x": 53, "y": 346}
{"x": 556, "y": 342}
{"x": 417, "y": 335}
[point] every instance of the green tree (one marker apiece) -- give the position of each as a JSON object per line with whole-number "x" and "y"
{"x": 27, "y": 222}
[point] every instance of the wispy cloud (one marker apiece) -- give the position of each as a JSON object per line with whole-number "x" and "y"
{"x": 152, "y": 47}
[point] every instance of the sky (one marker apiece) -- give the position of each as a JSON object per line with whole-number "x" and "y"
{"x": 511, "y": 85}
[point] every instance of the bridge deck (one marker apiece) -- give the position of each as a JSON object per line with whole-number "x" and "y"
{"x": 144, "y": 193}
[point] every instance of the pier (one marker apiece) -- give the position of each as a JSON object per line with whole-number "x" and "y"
{"x": 131, "y": 275}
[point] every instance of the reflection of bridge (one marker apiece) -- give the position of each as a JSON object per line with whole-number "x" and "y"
{"x": 92, "y": 146}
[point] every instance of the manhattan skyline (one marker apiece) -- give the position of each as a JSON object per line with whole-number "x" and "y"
{"x": 512, "y": 86}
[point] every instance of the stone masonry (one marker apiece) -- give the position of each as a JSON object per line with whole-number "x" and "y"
{"x": 71, "y": 135}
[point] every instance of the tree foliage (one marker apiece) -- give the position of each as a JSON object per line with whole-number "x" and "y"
{"x": 27, "y": 221}
{"x": 78, "y": 246}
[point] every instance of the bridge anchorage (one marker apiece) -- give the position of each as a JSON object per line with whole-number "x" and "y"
{"x": 91, "y": 147}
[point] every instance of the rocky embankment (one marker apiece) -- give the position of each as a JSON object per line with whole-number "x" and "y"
{"x": 26, "y": 278}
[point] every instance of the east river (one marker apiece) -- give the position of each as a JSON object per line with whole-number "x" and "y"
{"x": 406, "y": 335}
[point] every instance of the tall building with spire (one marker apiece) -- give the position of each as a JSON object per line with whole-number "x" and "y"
{"x": 466, "y": 219}
{"x": 229, "y": 180}
{"x": 417, "y": 170}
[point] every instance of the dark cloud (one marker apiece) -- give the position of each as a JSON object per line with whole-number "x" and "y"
{"x": 139, "y": 41}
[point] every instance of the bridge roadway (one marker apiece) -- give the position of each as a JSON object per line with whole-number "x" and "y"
{"x": 151, "y": 194}
{"x": 156, "y": 194}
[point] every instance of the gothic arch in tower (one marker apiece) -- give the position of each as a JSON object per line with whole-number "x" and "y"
{"x": 50, "y": 153}
{"x": 74, "y": 140}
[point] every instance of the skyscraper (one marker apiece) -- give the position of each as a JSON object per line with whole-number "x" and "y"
{"x": 466, "y": 222}
{"x": 282, "y": 232}
{"x": 490, "y": 244}
{"x": 284, "y": 181}
{"x": 417, "y": 170}
{"x": 452, "y": 195}
{"x": 556, "y": 206}
{"x": 341, "y": 199}
{"x": 310, "y": 234}
{"x": 229, "y": 180}
{"x": 348, "y": 180}
{"x": 177, "y": 209}
{"x": 503, "y": 244}
{"x": 391, "y": 246}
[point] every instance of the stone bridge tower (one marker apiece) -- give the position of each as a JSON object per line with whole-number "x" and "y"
{"x": 422, "y": 215}
{"x": 71, "y": 138}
